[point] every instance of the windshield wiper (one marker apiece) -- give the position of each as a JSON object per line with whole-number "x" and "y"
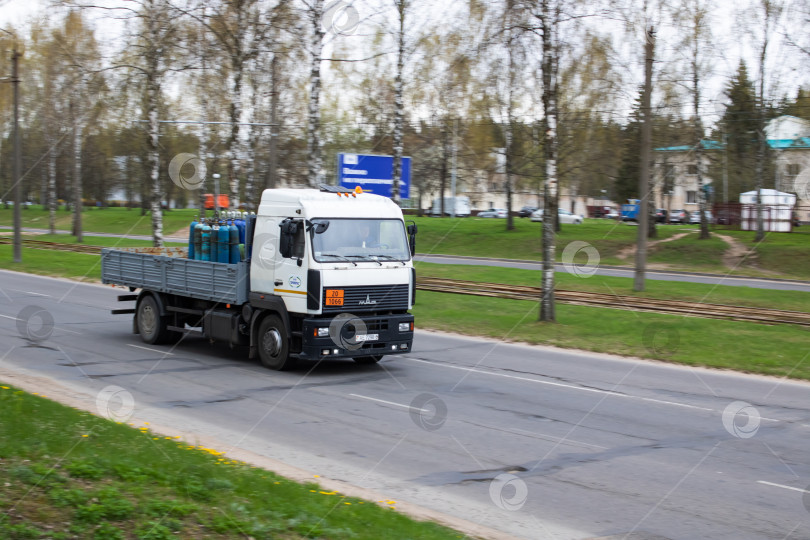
{"x": 387, "y": 257}
{"x": 345, "y": 258}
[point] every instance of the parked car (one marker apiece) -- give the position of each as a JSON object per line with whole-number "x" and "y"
{"x": 695, "y": 217}
{"x": 678, "y": 216}
{"x": 563, "y": 215}
{"x": 493, "y": 213}
{"x": 613, "y": 214}
{"x": 526, "y": 211}
{"x": 660, "y": 215}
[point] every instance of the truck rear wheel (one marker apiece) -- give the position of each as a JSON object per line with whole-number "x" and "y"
{"x": 151, "y": 325}
{"x": 365, "y": 360}
{"x": 274, "y": 346}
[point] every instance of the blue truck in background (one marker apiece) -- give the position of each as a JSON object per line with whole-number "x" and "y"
{"x": 630, "y": 210}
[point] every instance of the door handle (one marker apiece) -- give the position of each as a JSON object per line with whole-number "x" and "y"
{"x": 278, "y": 282}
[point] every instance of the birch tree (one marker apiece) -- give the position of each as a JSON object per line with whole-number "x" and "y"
{"x": 548, "y": 17}
{"x": 696, "y": 40}
{"x": 314, "y": 142}
{"x": 769, "y": 12}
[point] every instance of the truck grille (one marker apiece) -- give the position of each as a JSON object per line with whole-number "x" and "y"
{"x": 365, "y": 298}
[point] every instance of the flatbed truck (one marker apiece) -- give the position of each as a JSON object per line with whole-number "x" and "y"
{"x": 327, "y": 273}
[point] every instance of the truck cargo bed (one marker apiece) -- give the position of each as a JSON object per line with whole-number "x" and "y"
{"x": 167, "y": 270}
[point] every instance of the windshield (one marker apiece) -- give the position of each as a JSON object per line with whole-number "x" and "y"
{"x": 360, "y": 239}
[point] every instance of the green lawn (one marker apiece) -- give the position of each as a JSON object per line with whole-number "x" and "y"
{"x": 780, "y": 255}
{"x": 696, "y": 292}
{"x": 481, "y": 237}
{"x": 787, "y": 254}
{"x": 753, "y": 348}
{"x": 690, "y": 252}
{"x": 69, "y": 474}
{"x": 107, "y": 220}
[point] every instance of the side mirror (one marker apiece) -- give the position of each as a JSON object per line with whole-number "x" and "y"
{"x": 319, "y": 226}
{"x": 412, "y": 237}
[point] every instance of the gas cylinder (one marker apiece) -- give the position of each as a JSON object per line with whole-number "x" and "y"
{"x": 240, "y": 226}
{"x": 233, "y": 243}
{"x": 205, "y": 235}
{"x": 191, "y": 229}
{"x": 198, "y": 240}
{"x": 215, "y": 240}
{"x": 224, "y": 237}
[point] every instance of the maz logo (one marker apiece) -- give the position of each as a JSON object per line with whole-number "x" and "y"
{"x": 368, "y": 301}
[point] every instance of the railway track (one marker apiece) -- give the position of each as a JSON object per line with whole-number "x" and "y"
{"x": 522, "y": 292}
{"x": 629, "y": 303}
{"x": 41, "y": 244}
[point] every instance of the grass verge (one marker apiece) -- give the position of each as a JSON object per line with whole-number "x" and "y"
{"x": 69, "y": 474}
{"x": 752, "y": 348}
{"x": 665, "y": 290}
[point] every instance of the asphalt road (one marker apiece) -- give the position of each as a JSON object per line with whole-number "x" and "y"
{"x": 532, "y": 441}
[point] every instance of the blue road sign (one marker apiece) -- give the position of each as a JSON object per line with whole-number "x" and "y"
{"x": 373, "y": 173}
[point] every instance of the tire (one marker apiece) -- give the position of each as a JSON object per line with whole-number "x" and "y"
{"x": 151, "y": 326}
{"x": 367, "y": 360}
{"x": 274, "y": 344}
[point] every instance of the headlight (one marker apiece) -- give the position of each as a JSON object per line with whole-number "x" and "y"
{"x": 322, "y": 332}
{"x": 405, "y": 327}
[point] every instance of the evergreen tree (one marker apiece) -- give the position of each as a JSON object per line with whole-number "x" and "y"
{"x": 627, "y": 177}
{"x": 739, "y": 126}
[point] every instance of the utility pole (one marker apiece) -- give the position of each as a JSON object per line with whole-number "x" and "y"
{"x": 15, "y": 80}
{"x": 644, "y": 166}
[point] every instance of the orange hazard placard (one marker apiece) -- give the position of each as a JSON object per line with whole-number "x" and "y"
{"x": 334, "y": 297}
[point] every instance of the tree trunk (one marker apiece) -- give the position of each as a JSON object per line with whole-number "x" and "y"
{"x": 314, "y": 144}
{"x": 77, "y": 175}
{"x": 704, "y": 226}
{"x": 153, "y": 163}
{"x": 550, "y": 61}
{"x": 644, "y": 166}
{"x": 399, "y": 107}
{"x": 52, "y": 189}
{"x": 234, "y": 142}
{"x": 272, "y": 171}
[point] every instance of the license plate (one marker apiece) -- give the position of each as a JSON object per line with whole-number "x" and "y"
{"x": 367, "y": 337}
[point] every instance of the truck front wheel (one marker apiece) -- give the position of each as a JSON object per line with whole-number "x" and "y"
{"x": 151, "y": 325}
{"x": 274, "y": 347}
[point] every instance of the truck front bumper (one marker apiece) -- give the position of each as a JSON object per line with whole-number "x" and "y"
{"x": 347, "y": 336}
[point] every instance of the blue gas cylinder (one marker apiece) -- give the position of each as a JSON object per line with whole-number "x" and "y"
{"x": 191, "y": 239}
{"x": 215, "y": 240}
{"x": 223, "y": 238}
{"x": 205, "y": 235}
{"x": 240, "y": 226}
{"x": 233, "y": 243}
{"x": 198, "y": 241}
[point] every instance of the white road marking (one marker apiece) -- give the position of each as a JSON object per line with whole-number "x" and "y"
{"x": 31, "y": 292}
{"x": 583, "y": 389}
{"x": 389, "y": 403}
{"x": 791, "y": 488}
{"x": 150, "y": 350}
{"x": 562, "y": 385}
